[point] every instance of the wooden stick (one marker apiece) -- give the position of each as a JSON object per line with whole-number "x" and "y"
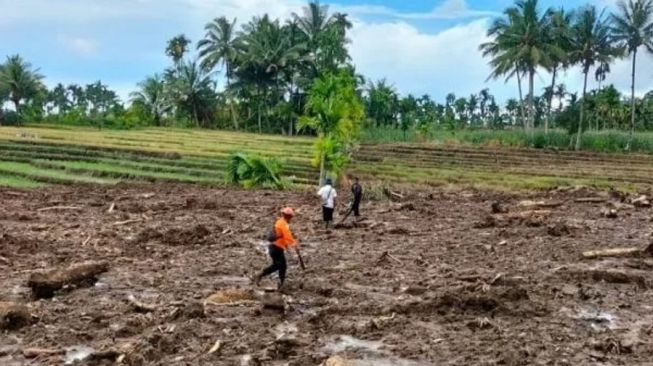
{"x": 131, "y": 221}
{"x": 139, "y": 306}
{"x": 112, "y": 207}
{"x": 87, "y": 240}
{"x": 59, "y": 208}
{"x": 215, "y": 347}
{"x": 615, "y": 252}
{"x": 590, "y": 200}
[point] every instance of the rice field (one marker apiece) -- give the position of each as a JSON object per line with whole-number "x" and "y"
{"x": 32, "y": 157}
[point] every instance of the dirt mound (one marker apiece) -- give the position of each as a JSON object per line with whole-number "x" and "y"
{"x": 45, "y": 284}
{"x": 198, "y": 234}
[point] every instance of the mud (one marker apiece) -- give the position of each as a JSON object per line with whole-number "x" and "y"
{"x": 447, "y": 278}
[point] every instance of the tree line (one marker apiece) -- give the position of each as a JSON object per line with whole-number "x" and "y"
{"x": 268, "y": 69}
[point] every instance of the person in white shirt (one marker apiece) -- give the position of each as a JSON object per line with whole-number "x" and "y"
{"x": 328, "y": 195}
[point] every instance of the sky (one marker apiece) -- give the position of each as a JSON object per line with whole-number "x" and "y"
{"x": 418, "y": 46}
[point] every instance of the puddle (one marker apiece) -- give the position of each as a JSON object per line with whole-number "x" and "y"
{"x": 77, "y": 354}
{"x": 345, "y": 342}
{"x": 598, "y": 320}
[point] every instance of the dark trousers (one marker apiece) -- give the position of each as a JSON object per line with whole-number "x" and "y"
{"x": 355, "y": 208}
{"x": 278, "y": 263}
{"x": 327, "y": 214}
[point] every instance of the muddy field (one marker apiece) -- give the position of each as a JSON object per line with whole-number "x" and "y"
{"x": 435, "y": 278}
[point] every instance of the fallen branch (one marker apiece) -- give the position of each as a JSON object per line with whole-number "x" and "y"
{"x": 397, "y": 195}
{"x": 234, "y": 303}
{"x": 126, "y": 222}
{"x": 59, "y": 208}
{"x": 590, "y": 200}
{"x": 41, "y": 352}
{"x": 389, "y": 256}
{"x": 615, "y": 252}
{"x": 87, "y": 240}
{"x": 112, "y": 207}
{"x": 541, "y": 204}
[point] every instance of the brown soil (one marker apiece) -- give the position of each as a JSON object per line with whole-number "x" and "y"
{"x": 437, "y": 278}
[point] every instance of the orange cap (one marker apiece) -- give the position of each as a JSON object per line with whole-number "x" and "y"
{"x": 288, "y": 211}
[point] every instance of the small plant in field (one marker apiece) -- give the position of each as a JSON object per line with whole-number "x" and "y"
{"x": 255, "y": 171}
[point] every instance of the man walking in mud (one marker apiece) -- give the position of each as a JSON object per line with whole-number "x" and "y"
{"x": 357, "y": 197}
{"x": 328, "y": 196}
{"x": 280, "y": 239}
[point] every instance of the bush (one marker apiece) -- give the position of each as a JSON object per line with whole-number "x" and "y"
{"x": 254, "y": 171}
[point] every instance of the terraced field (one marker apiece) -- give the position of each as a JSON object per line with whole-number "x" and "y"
{"x": 510, "y": 168}
{"x": 31, "y": 157}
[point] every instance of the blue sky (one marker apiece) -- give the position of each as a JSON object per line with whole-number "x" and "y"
{"x": 419, "y": 46}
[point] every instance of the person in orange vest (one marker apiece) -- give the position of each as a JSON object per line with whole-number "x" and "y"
{"x": 283, "y": 239}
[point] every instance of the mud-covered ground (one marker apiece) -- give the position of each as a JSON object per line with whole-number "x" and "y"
{"x": 435, "y": 278}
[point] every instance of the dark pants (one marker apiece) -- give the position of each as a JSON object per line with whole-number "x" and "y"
{"x": 327, "y": 214}
{"x": 278, "y": 263}
{"x": 355, "y": 208}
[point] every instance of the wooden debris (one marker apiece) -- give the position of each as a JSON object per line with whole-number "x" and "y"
{"x": 230, "y": 297}
{"x": 610, "y": 213}
{"x": 45, "y": 284}
{"x": 590, "y": 200}
{"x": 641, "y": 201}
{"x": 336, "y": 361}
{"x": 112, "y": 207}
{"x": 614, "y": 252}
{"x": 87, "y": 240}
{"x": 126, "y": 222}
{"x": 14, "y": 316}
{"x": 216, "y": 347}
{"x": 385, "y": 255}
{"x": 139, "y": 306}
{"x": 35, "y": 352}
{"x": 540, "y": 204}
{"x": 56, "y": 208}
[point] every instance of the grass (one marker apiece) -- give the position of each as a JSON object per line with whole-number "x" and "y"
{"x": 610, "y": 141}
{"x": 18, "y": 182}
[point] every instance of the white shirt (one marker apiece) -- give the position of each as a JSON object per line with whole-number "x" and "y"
{"x": 328, "y": 194}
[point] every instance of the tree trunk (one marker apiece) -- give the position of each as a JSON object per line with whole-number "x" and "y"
{"x": 231, "y": 104}
{"x": 549, "y": 117}
{"x": 322, "y": 172}
{"x": 582, "y": 112}
{"x": 521, "y": 101}
{"x": 632, "y": 104}
{"x": 531, "y": 101}
{"x": 260, "y": 127}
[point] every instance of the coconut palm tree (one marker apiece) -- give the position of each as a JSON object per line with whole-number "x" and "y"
{"x": 601, "y": 73}
{"x": 633, "y": 28}
{"x": 192, "y": 90}
{"x": 20, "y": 81}
{"x": 484, "y": 97}
{"x": 177, "y": 48}
{"x": 591, "y": 44}
{"x": 561, "y": 34}
{"x": 152, "y": 98}
{"x": 220, "y": 46}
{"x": 522, "y": 42}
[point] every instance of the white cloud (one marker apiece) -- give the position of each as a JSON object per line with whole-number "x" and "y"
{"x": 79, "y": 45}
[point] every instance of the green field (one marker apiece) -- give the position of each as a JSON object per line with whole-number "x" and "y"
{"x": 35, "y": 156}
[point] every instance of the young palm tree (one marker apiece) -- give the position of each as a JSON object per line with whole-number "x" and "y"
{"x": 591, "y": 44}
{"x": 219, "y": 46}
{"x": 19, "y": 81}
{"x": 633, "y": 27}
{"x": 522, "y": 41}
{"x": 601, "y": 73}
{"x": 151, "y": 97}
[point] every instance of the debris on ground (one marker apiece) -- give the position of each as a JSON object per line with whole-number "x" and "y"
{"x": 45, "y": 284}
{"x": 14, "y": 316}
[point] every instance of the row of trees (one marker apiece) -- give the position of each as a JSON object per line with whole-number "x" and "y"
{"x": 527, "y": 39}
